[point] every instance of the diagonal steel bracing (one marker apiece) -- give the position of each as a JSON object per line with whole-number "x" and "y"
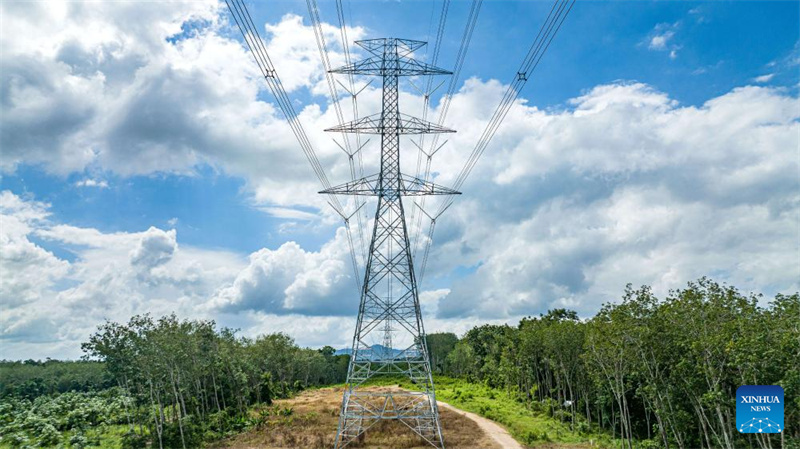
{"x": 389, "y": 312}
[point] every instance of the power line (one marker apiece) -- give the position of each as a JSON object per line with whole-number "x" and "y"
{"x": 354, "y": 102}
{"x": 552, "y": 24}
{"x": 257, "y": 48}
{"x": 466, "y": 38}
{"x": 426, "y": 95}
{"x": 313, "y": 12}
{"x": 540, "y": 45}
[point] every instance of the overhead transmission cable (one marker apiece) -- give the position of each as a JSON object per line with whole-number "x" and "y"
{"x": 354, "y": 102}
{"x": 472, "y": 20}
{"x": 426, "y": 96}
{"x": 466, "y": 38}
{"x": 430, "y": 28}
{"x": 257, "y": 48}
{"x": 547, "y": 32}
{"x": 313, "y": 12}
{"x": 549, "y": 29}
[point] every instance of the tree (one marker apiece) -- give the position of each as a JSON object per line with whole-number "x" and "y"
{"x": 439, "y": 347}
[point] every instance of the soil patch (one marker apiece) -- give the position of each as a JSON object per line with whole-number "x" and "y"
{"x": 309, "y": 421}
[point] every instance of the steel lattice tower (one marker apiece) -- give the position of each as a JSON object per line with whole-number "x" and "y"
{"x": 389, "y": 312}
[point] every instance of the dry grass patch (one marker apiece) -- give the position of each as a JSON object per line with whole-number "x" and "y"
{"x": 309, "y": 421}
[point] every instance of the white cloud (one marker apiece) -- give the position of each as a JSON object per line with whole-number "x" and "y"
{"x": 88, "y": 86}
{"x": 63, "y": 66}
{"x": 100, "y": 184}
{"x": 47, "y": 302}
{"x": 26, "y": 269}
{"x": 292, "y": 280}
{"x": 156, "y": 247}
{"x": 622, "y": 184}
{"x": 292, "y": 44}
{"x": 50, "y": 305}
{"x": 662, "y": 39}
{"x": 294, "y": 214}
{"x": 627, "y": 186}
{"x": 764, "y": 78}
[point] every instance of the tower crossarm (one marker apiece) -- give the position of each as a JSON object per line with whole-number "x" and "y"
{"x": 409, "y": 186}
{"x": 406, "y": 67}
{"x": 375, "y": 124}
{"x": 402, "y": 47}
{"x": 402, "y": 64}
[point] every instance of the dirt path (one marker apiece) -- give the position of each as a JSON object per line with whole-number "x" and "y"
{"x": 492, "y": 429}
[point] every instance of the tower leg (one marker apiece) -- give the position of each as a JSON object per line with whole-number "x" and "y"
{"x": 389, "y": 313}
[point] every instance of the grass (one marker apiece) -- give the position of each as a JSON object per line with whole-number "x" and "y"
{"x": 108, "y": 437}
{"x": 528, "y": 426}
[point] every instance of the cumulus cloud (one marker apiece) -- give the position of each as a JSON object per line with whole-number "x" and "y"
{"x": 620, "y": 184}
{"x": 292, "y": 42}
{"x": 626, "y": 186}
{"x": 292, "y": 280}
{"x": 50, "y": 305}
{"x": 63, "y": 64}
{"x": 155, "y": 248}
{"x": 28, "y": 270}
{"x": 87, "y": 86}
{"x": 50, "y": 302}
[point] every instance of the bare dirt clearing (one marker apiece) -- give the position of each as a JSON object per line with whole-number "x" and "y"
{"x": 314, "y": 414}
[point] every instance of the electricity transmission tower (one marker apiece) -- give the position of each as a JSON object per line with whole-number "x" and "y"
{"x": 389, "y": 311}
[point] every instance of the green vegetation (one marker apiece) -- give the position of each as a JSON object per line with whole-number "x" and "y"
{"x": 75, "y": 420}
{"x": 531, "y": 423}
{"x": 177, "y": 385}
{"x": 651, "y": 372}
{"x": 31, "y": 379}
{"x": 646, "y": 372}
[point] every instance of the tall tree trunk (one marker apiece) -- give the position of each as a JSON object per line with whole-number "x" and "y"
{"x": 156, "y": 417}
{"x": 180, "y": 421}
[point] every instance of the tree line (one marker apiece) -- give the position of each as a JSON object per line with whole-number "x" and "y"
{"x": 652, "y": 372}
{"x": 658, "y": 370}
{"x": 30, "y": 379}
{"x": 191, "y": 382}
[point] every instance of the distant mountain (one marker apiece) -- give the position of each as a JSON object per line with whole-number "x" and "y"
{"x": 376, "y": 349}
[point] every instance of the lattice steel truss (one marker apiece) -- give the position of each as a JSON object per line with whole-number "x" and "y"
{"x": 389, "y": 312}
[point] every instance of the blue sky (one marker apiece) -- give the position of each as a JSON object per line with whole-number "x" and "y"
{"x": 602, "y": 42}
{"x": 606, "y": 173}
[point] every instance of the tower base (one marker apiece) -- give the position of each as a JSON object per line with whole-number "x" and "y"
{"x": 363, "y": 409}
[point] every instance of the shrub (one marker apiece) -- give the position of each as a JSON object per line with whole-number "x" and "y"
{"x": 132, "y": 440}
{"x": 16, "y": 439}
{"x": 192, "y": 433}
{"x": 49, "y": 435}
{"x": 79, "y": 441}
